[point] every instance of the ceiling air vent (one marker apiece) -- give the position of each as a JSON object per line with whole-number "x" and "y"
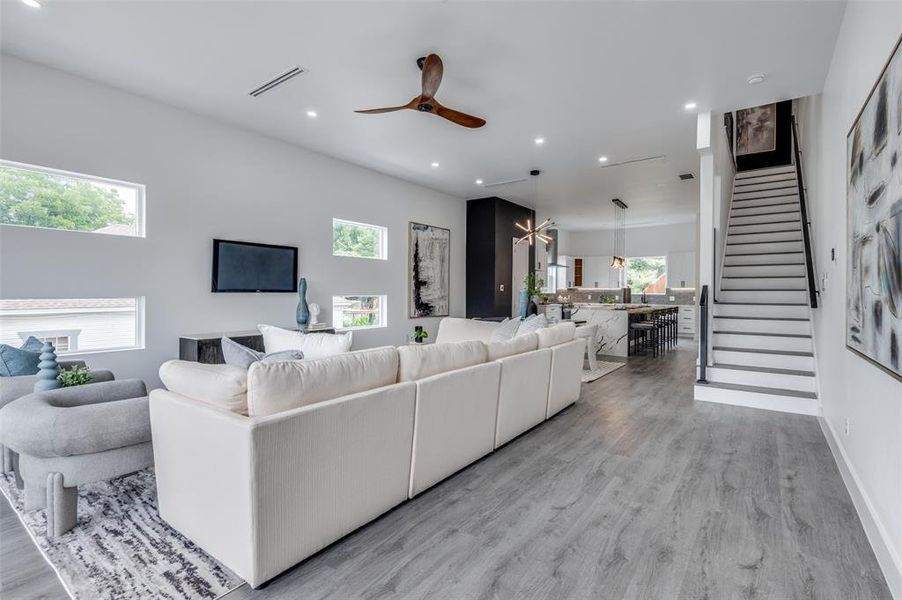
{"x": 289, "y": 74}
{"x": 686, "y": 176}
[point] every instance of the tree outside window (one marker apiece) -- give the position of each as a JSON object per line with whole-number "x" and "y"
{"x": 647, "y": 274}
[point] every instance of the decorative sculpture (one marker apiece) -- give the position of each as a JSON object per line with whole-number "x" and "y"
{"x": 48, "y": 369}
{"x": 314, "y": 314}
{"x": 303, "y": 312}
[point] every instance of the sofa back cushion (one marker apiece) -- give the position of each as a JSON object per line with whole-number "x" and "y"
{"x": 558, "y": 334}
{"x": 312, "y": 345}
{"x": 222, "y": 386}
{"x": 532, "y": 323}
{"x": 273, "y": 387}
{"x": 455, "y": 329}
{"x": 421, "y": 361}
{"x": 516, "y": 345}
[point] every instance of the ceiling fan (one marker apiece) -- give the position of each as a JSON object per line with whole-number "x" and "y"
{"x": 432, "y": 77}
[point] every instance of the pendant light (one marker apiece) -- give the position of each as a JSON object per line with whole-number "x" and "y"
{"x": 619, "y": 237}
{"x": 534, "y": 232}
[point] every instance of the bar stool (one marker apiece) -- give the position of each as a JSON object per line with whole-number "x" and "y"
{"x": 644, "y": 330}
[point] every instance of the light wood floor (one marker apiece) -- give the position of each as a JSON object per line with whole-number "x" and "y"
{"x": 634, "y": 492}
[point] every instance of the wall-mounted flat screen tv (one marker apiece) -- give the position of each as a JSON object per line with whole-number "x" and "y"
{"x": 250, "y": 267}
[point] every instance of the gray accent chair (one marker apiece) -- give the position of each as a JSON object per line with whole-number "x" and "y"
{"x": 71, "y": 436}
{"x": 13, "y": 388}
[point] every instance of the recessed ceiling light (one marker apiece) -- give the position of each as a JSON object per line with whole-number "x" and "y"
{"x": 602, "y": 159}
{"x": 479, "y": 182}
{"x": 690, "y": 105}
{"x": 32, "y": 3}
{"x": 756, "y": 78}
{"x": 311, "y": 114}
{"x": 539, "y": 141}
{"x": 435, "y": 165}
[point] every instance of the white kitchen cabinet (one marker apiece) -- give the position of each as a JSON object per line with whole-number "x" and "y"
{"x": 686, "y": 321}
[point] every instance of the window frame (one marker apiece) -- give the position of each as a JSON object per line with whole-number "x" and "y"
{"x": 140, "y": 197}
{"x": 383, "y": 312}
{"x": 383, "y": 241}
{"x": 140, "y": 342}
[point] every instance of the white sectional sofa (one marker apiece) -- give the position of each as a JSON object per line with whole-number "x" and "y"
{"x": 264, "y": 468}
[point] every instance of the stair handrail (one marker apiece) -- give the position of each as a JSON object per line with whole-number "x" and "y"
{"x": 703, "y": 335}
{"x": 806, "y": 223}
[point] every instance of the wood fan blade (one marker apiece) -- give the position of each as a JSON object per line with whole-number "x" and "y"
{"x": 432, "y": 75}
{"x": 375, "y": 111}
{"x": 455, "y": 116}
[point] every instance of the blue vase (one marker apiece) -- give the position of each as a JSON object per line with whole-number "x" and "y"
{"x": 48, "y": 369}
{"x": 303, "y": 312}
{"x": 524, "y": 302}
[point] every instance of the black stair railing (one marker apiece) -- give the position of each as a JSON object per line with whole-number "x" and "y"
{"x": 806, "y": 223}
{"x": 703, "y": 335}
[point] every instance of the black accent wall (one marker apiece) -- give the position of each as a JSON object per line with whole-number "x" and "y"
{"x": 782, "y": 154}
{"x": 490, "y": 228}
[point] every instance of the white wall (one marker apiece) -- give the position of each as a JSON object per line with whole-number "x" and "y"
{"x": 850, "y": 387}
{"x": 204, "y": 179}
{"x": 640, "y": 241}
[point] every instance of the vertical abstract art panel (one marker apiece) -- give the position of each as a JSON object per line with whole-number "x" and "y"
{"x": 756, "y": 129}
{"x": 874, "y": 223}
{"x": 429, "y": 271}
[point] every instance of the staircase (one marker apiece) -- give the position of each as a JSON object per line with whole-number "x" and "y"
{"x": 762, "y": 346}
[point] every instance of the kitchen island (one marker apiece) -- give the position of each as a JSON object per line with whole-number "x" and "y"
{"x": 613, "y": 321}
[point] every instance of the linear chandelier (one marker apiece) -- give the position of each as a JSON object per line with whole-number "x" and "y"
{"x": 535, "y": 232}
{"x": 619, "y": 243}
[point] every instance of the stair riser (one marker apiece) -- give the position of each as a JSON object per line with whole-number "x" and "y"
{"x": 789, "y": 404}
{"x": 787, "y": 217}
{"x": 765, "y": 227}
{"x": 738, "y": 195}
{"x": 798, "y": 383}
{"x": 775, "y": 236}
{"x": 756, "y": 359}
{"x": 762, "y": 342}
{"x": 739, "y": 203}
{"x": 788, "y": 283}
{"x": 763, "y": 259}
{"x": 790, "y": 176}
{"x": 757, "y": 173}
{"x": 761, "y": 310}
{"x": 757, "y": 186}
{"x": 761, "y": 296}
{"x": 762, "y": 326}
{"x": 764, "y": 270}
{"x": 764, "y": 247}
{"x": 770, "y": 209}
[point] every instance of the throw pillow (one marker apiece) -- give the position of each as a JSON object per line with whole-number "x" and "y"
{"x": 505, "y": 330}
{"x": 313, "y": 345}
{"x": 22, "y": 360}
{"x": 531, "y": 324}
{"x": 240, "y": 355}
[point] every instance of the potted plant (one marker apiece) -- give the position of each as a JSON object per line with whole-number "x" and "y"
{"x": 534, "y": 287}
{"x": 419, "y": 334}
{"x": 77, "y": 375}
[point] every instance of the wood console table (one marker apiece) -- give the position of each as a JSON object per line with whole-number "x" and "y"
{"x": 207, "y": 347}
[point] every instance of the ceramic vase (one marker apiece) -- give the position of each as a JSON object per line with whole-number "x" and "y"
{"x": 303, "y": 312}
{"x": 48, "y": 369}
{"x": 523, "y": 303}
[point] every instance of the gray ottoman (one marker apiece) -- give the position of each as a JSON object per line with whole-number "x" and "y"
{"x": 70, "y": 436}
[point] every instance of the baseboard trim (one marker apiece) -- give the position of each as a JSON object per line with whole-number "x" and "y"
{"x": 889, "y": 560}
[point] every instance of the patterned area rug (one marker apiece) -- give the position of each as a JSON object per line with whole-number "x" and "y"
{"x": 603, "y": 369}
{"x": 121, "y": 548}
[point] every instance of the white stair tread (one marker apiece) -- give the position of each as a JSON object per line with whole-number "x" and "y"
{"x": 765, "y": 370}
{"x": 759, "y": 351}
{"x": 759, "y": 390}
{"x": 761, "y": 318}
{"x": 762, "y": 303}
{"x": 761, "y": 334}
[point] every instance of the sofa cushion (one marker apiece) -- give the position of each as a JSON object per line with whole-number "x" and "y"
{"x": 222, "y": 386}
{"x": 516, "y": 345}
{"x": 558, "y": 334}
{"x": 273, "y": 387}
{"x": 505, "y": 330}
{"x": 418, "y": 362}
{"x": 456, "y": 329}
{"x": 240, "y": 355}
{"x": 531, "y": 324}
{"x": 15, "y": 362}
{"x": 313, "y": 345}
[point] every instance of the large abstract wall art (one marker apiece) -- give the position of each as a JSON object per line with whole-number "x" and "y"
{"x": 756, "y": 129}
{"x": 874, "y": 223}
{"x": 429, "y": 271}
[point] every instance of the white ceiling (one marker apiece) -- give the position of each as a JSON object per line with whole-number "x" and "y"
{"x": 591, "y": 78}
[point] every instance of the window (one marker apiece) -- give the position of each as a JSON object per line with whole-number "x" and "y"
{"x": 359, "y": 240}
{"x": 647, "y": 274}
{"x": 75, "y": 324}
{"x": 358, "y": 312}
{"x": 33, "y": 196}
